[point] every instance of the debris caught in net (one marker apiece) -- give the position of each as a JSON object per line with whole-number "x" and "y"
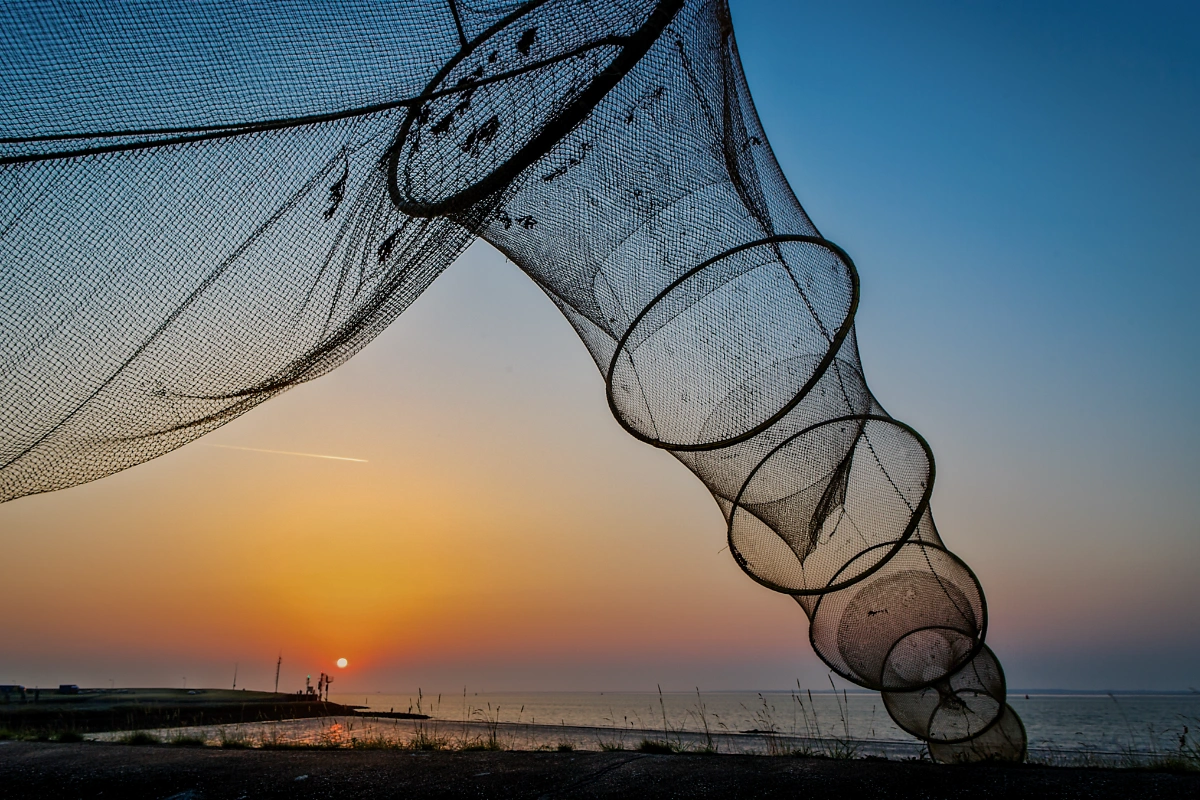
{"x": 206, "y": 204}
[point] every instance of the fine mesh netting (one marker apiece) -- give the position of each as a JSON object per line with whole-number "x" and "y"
{"x": 205, "y": 204}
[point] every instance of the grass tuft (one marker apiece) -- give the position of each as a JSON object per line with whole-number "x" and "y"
{"x": 140, "y": 737}
{"x": 280, "y": 744}
{"x": 424, "y": 740}
{"x": 187, "y": 741}
{"x": 375, "y": 743}
{"x": 233, "y": 741}
{"x": 480, "y": 744}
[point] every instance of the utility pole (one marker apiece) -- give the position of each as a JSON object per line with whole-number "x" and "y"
{"x": 278, "y": 664}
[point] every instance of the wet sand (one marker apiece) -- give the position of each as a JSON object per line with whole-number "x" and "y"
{"x": 33, "y": 769}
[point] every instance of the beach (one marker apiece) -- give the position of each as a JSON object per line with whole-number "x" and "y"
{"x": 1085, "y": 730}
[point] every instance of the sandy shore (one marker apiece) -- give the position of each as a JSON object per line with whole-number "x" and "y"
{"x": 32, "y": 769}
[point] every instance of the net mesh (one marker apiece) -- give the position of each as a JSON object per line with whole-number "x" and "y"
{"x": 206, "y": 204}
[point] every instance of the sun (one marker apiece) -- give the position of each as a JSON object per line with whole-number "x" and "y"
{"x": 341, "y": 662}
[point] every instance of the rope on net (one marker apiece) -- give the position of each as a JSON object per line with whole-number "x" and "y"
{"x": 206, "y": 205}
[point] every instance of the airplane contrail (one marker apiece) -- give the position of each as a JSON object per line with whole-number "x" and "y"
{"x": 285, "y": 452}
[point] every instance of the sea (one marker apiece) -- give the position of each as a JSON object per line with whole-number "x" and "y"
{"x": 1120, "y": 729}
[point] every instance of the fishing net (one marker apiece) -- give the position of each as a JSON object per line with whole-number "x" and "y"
{"x": 205, "y": 204}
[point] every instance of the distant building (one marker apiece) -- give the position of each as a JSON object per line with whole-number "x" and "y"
{"x": 7, "y": 690}
{"x": 68, "y": 688}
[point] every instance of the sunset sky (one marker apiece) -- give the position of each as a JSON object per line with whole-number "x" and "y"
{"x": 1019, "y": 186}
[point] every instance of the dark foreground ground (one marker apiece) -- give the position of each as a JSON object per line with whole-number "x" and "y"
{"x": 32, "y": 769}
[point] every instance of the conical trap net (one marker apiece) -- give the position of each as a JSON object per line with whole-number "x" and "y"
{"x": 204, "y": 204}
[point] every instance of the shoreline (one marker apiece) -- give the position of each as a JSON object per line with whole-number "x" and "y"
{"x": 267, "y": 720}
{"x": 367, "y": 732}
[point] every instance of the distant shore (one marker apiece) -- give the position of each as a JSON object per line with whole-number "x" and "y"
{"x": 49, "y": 711}
{"x": 32, "y": 769}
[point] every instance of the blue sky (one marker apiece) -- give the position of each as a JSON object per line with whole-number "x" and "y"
{"x": 1019, "y": 184}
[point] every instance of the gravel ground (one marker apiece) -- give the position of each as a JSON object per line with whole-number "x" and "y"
{"x": 32, "y": 769}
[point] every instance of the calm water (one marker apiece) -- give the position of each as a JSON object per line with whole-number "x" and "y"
{"x": 1053, "y": 721}
{"x": 1063, "y": 728}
